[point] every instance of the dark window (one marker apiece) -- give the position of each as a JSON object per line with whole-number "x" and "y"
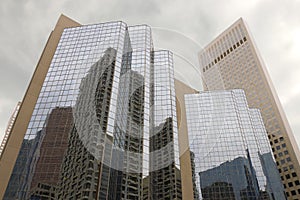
{"x": 294, "y": 174}
{"x": 287, "y": 194}
{"x": 291, "y": 166}
{"x": 293, "y": 192}
{"x": 281, "y": 138}
{"x": 283, "y": 145}
{"x": 291, "y": 184}
{"x": 234, "y": 46}
{"x": 288, "y": 176}
{"x": 277, "y": 147}
{"x": 286, "y": 152}
{"x": 276, "y": 140}
{"x": 288, "y": 159}
{"x": 297, "y": 182}
{"x": 245, "y": 39}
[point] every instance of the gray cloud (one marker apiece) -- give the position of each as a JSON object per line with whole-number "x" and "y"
{"x": 25, "y": 26}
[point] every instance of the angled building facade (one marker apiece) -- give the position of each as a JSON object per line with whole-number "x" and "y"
{"x": 232, "y": 61}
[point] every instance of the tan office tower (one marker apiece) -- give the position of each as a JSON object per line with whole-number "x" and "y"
{"x": 232, "y": 61}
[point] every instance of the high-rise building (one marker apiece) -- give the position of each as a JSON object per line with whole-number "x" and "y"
{"x": 11, "y": 122}
{"x": 104, "y": 118}
{"x": 232, "y": 61}
{"x": 102, "y": 123}
{"x": 230, "y": 153}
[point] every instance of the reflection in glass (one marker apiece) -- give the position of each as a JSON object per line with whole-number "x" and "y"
{"x": 230, "y": 154}
{"x": 96, "y": 129}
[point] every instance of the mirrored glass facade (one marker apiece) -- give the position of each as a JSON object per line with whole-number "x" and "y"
{"x": 105, "y": 124}
{"x": 230, "y": 154}
{"x": 164, "y": 149}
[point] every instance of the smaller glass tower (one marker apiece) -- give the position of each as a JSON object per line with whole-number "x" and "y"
{"x": 230, "y": 153}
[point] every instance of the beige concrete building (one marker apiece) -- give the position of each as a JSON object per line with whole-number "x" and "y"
{"x": 182, "y": 89}
{"x": 232, "y": 61}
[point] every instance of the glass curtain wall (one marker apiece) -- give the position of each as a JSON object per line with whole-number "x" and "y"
{"x": 231, "y": 156}
{"x": 91, "y": 132}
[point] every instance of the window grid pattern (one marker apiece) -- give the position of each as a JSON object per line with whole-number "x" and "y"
{"x": 229, "y": 149}
{"x": 90, "y": 133}
{"x": 164, "y": 135}
{"x": 79, "y": 48}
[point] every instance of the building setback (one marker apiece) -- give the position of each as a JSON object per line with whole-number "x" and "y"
{"x": 232, "y": 61}
{"x": 230, "y": 154}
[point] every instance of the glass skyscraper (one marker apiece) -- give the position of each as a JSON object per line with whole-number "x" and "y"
{"x": 104, "y": 125}
{"x": 230, "y": 153}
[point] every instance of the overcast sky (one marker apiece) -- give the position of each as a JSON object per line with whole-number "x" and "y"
{"x": 275, "y": 26}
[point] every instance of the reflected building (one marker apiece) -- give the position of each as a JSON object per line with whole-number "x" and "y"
{"x": 231, "y": 156}
{"x": 104, "y": 125}
{"x": 38, "y": 166}
{"x": 21, "y": 177}
{"x": 221, "y": 182}
{"x": 232, "y": 61}
{"x": 165, "y": 175}
{"x": 51, "y": 152}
